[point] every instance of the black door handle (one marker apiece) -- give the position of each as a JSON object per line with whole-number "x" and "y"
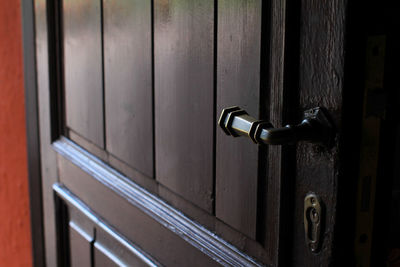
{"x": 314, "y": 128}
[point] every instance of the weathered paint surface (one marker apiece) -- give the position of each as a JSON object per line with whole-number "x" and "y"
{"x": 15, "y": 240}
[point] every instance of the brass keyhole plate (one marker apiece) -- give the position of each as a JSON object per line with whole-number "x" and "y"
{"x": 312, "y": 222}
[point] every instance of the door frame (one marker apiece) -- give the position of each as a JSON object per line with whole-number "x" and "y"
{"x": 32, "y": 130}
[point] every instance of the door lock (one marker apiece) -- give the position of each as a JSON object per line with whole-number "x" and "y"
{"x": 312, "y": 221}
{"x": 314, "y": 128}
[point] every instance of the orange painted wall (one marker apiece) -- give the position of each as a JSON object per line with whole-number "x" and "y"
{"x": 15, "y": 240}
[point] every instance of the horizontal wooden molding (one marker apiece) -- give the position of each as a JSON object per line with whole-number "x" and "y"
{"x": 189, "y": 230}
{"x": 74, "y": 201}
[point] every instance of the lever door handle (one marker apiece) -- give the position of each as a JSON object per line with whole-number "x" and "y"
{"x": 314, "y": 128}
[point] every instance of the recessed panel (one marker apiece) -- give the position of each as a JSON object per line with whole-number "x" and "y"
{"x": 238, "y": 84}
{"x": 184, "y": 97}
{"x": 128, "y": 82}
{"x": 83, "y": 75}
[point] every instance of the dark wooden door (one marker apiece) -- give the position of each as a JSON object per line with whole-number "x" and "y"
{"x": 135, "y": 170}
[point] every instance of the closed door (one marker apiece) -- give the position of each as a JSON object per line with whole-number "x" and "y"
{"x": 130, "y": 95}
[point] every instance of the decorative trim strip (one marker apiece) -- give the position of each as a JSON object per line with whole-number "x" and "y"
{"x": 74, "y": 201}
{"x": 192, "y": 232}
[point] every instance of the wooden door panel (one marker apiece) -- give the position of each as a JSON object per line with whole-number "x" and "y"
{"x": 128, "y": 82}
{"x": 83, "y": 74}
{"x": 157, "y": 228}
{"x": 184, "y": 98}
{"x": 80, "y": 244}
{"x": 170, "y": 67}
{"x": 81, "y": 233}
{"x": 238, "y": 84}
{"x": 109, "y": 251}
{"x": 150, "y": 235}
{"x": 84, "y": 239}
{"x": 104, "y": 258}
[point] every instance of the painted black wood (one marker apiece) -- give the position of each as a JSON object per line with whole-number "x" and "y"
{"x": 133, "y": 174}
{"x": 188, "y": 241}
{"x": 81, "y": 246}
{"x": 87, "y": 227}
{"x": 306, "y": 60}
{"x": 280, "y": 108}
{"x": 103, "y": 258}
{"x": 32, "y": 133}
{"x": 321, "y": 81}
{"x": 83, "y": 68}
{"x": 51, "y": 11}
{"x": 62, "y": 233}
{"x": 47, "y": 77}
{"x": 128, "y": 82}
{"x": 118, "y": 253}
{"x": 197, "y": 214}
{"x": 238, "y": 84}
{"x": 184, "y": 98}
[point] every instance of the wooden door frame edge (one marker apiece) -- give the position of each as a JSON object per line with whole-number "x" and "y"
{"x": 32, "y": 133}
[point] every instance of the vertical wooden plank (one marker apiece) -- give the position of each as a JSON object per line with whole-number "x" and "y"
{"x": 322, "y": 51}
{"x": 282, "y": 109}
{"x": 83, "y": 68}
{"x": 128, "y": 82}
{"x": 238, "y": 84}
{"x": 184, "y": 98}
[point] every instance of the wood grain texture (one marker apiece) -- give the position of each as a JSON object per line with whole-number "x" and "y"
{"x": 306, "y": 70}
{"x": 128, "y": 82}
{"x": 86, "y": 144}
{"x": 321, "y": 83}
{"x": 93, "y": 232}
{"x": 197, "y": 237}
{"x": 47, "y": 154}
{"x": 131, "y": 222}
{"x": 83, "y": 73}
{"x": 238, "y": 84}
{"x": 32, "y": 130}
{"x": 272, "y": 234}
{"x": 136, "y": 176}
{"x": 184, "y": 98}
